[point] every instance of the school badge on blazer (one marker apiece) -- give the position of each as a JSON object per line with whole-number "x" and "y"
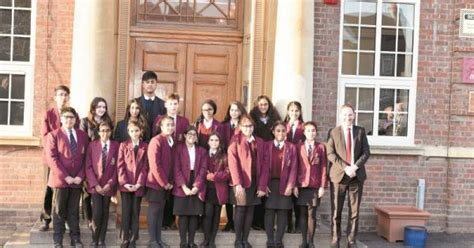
{"x": 112, "y": 162}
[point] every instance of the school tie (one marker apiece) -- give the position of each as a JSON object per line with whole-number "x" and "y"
{"x": 232, "y": 126}
{"x": 73, "y": 143}
{"x": 104, "y": 158}
{"x": 135, "y": 150}
{"x": 349, "y": 146}
{"x": 310, "y": 151}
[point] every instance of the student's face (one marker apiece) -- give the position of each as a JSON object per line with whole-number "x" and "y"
{"x": 104, "y": 133}
{"x": 207, "y": 111}
{"x": 100, "y": 109}
{"x": 294, "y": 113}
{"x": 167, "y": 127}
{"x": 61, "y": 98}
{"x": 172, "y": 106}
{"x": 246, "y": 127}
{"x": 149, "y": 86}
{"x": 280, "y": 133}
{"x": 68, "y": 120}
{"x": 134, "y": 132}
{"x": 190, "y": 137}
{"x": 263, "y": 106}
{"x": 347, "y": 117}
{"x": 310, "y": 132}
{"x": 213, "y": 142}
{"x": 234, "y": 111}
{"x": 134, "y": 110}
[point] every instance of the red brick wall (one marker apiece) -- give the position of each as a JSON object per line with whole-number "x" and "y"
{"x": 21, "y": 168}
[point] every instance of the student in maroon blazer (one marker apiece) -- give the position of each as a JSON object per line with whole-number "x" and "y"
{"x": 190, "y": 168}
{"x": 51, "y": 122}
{"x": 132, "y": 168}
{"x": 159, "y": 181}
{"x": 282, "y": 178}
{"x": 312, "y": 180}
{"x": 101, "y": 174}
{"x": 65, "y": 152}
{"x": 249, "y": 170}
{"x": 206, "y": 124}
{"x": 217, "y": 191}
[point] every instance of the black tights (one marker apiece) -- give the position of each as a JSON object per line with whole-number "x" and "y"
{"x": 282, "y": 221}
{"x": 308, "y": 223}
{"x": 211, "y": 222}
{"x": 187, "y": 225}
{"x": 243, "y": 222}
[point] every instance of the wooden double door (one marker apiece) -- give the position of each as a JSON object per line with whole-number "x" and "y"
{"x": 195, "y": 71}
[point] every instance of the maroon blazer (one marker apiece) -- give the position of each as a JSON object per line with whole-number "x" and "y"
{"x": 240, "y": 162}
{"x": 94, "y": 168}
{"x": 289, "y": 165}
{"x": 227, "y": 132}
{"x": 132, "y": 170}
{"x": 312, "y": 171}
{"x": 161, "y": 163}
{"x": 204, "y": 133}
{"x": 60, "y": 159}
{"x": 181, "y": 124}
{"x": 182, "y": 170}
{"x": 220, "y": 176}
{"x": 298, "y": 137}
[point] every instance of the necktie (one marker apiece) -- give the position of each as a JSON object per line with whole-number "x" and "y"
{"x": 349, "y": 146}
{"x": 104, "y": 158}
{"x": 232, "y": 126}
{"x": 135, "y": 150}
{"x": 73, "y": 143}
{"x": 310, "y": 151}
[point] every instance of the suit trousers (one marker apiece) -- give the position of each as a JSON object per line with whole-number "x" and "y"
{"x": 66, "y": 209}
{"x": 100, "y": 216}
{"x": 47, "y": 201}
{"x": 130, "y": 216}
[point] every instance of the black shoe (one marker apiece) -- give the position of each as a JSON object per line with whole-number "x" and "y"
{"x": 303, "y": 246}
{"x": 192, "y": 245}
{"x": 58, "y": 245}
{"x": 183, "y": 245}
{"x": 228, "y": 227}
{"x": 270, "y": 244}
{"x": 238, "y": 244}
{"x": 76, "y": 243}
{"x": 310, "y": 245}
{"x": 45, "y": 226}
{"x": 94, "y": 244}
{"x": 101, "y": 244}
{"x": 247, "y": 244}
{"x": 132, "y": 244}
{"x": 257, "y": 228}
{"x": 212, "y": 245}
{"x": 162, "y": 244}
{"x": 154, "y": 244}
{"x": 124, "y": 244}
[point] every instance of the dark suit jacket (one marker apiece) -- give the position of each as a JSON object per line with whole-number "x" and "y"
{"x": 289, "y": 165}
{"x": 94, "y": 168}
{"x": 158, "y": 108}
{"x": 132, "y": 170}
{"x": 336, "y": 150}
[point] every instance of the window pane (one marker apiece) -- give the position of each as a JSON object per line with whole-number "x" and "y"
{"x": 349, "y": 63}
{"x": 18, "y": 87}
{"x": 22, "y": 22}
{"x": 386, "y": 122}
{"x": 21, "y": 49}
{"x": 23, "y": 3}
{"x": 388, "y": 39}
{"x": 4, "y": 85}
{"x": 5, "y": 21}
{"x": 351, "y": 96}
{"x": 3, "y": 113}
{"x": 407, "y": 12}
{"x": 387, "y": 64}
{"x": 404, "y": 63}
{"x": 400, "y": 126}
{"x": 389, "y": 14}
{"x": 405, "y": 40}
{"x": 17, "y": 113}
{"x": 368, "y": 15}
{"x": 366, "y": 64}
{"x": 366, "y": 99}
{"x": 350, "y": 37}
{"x": 366, "y": 121}
{"x": 402, "y": 100}
{"x": 387, "y": 97}
{"x": 5, "y": 48}
{"x": 367, "y": 39}
{"x": 351, "y": 12}
{"x": 7, "y": 3}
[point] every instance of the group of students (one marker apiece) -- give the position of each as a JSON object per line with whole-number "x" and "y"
{"x": 249, "y": 161}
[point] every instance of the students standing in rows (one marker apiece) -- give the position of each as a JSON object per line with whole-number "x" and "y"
{"x": 206, "y": 124}
{"x": 249, "y": 175}
{"x": 135, "y": 113}
{"x": 132, "y": 168}
{"x": 159, "y": 181}
{"x": 51, "y": 122}
{"x": 153, "y": 105}
{"x": 312, "y": 179}
{"x": 101, "y": 174}
{"x": 283, "y": 169}
{"x": 65, "y": 151}
{"x": 217, "y": 190}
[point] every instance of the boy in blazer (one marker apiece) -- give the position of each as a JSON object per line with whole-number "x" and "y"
{"x": 348, "y": 150}
{"x": 180, "y": 122}
{"x": 101, "y": 174}
{"x": 65, "y": 152}
{"x": 132, "y": 168}
{"x": 152, "y": 104}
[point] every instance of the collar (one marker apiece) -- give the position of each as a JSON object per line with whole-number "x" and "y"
{"x": 106, "y": 143}
{"x": 149, "y": 98}
{"x": 212, "y": 152}
{"x": 174, "y": 117}
{"x": 278, "y": 144}
{"x": 307, "y": 144}
{"x": 294, "y": 124}
{"x": 207, "y": 122}
{"x": 66, "y": 130}
{"x": 135, "y": 144}
{"x": 251, "y": 139}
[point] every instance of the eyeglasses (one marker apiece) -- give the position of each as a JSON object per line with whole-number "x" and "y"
{"x": 69, "y": 116}
{"x": 247, "y": 126}
{"x": 105, "y": 131}
{"x": 191, "y": 134}
{"x": 207, "y": 110}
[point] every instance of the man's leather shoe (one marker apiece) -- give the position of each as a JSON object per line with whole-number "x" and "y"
{"x": 163, "y": 244}
{"x": 247, "y": 244}
{"x": 45, "y": 226}
{"x": 76, "y": 243}
{"x": 124, "y": 244}
{"x": 58, "y": 245}
{"x": 94, "y": 244}
{"x": 101, "y": 244}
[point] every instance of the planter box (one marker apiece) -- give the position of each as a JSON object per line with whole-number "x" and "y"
{"x": 391, "y": 220}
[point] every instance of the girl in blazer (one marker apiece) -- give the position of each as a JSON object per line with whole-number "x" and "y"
{"x": 181, "y": 122}
{"x": 282, "y": 178}
{"x": 101, "y": 174}
{"x": 217, "y": 188}
{"x": 159, "y": 181}
{"x": 190, "y": 167}
{"x": 249, "y": 176}
{"x": 136, "y": 113}
{"x": 312, "y": 180}
{"x": 206, "y": 124}
{"x": 132, "y": 167}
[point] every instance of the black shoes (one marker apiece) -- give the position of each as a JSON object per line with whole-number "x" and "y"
{"x": 228, "y": 227}
{"x": 76, "y": 243}
{"x": 58, "y": 245}
{"x": 45, "y": 226}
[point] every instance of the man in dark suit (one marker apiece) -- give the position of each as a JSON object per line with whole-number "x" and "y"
{"x": 153, "y": 105}
{"x": 348, "y": 150}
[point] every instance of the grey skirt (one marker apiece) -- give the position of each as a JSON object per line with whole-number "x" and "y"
{"x": 308, "y": 197}
{"x": 251, "y": 198}
{"x": 276, "y": 200}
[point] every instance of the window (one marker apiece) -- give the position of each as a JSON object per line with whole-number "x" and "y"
{"x": 377, "y": 72}
{"x": 16, "y": 67}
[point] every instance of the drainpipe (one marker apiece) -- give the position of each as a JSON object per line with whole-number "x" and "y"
{"x": 420, "y": 194}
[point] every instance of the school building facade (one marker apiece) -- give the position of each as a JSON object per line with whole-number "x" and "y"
{"x": 402, "y": 64}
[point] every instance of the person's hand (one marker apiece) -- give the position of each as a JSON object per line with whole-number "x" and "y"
{"x": 194, "y": 190}
{"x": 106, "y": 188}
{"x": 260, "y": 193}
{"x": 295, "y": 192}
{"x": 69, "y": 180}
{"x": 99, "y": 189}
{"x": 349, "y": 171}
{"x": 129, "y": 187}
{"x": 77, "y": 180}
{"x": 288, "y": 191}
{"x": 210, "y": 176}
{"x": 240, "y": 192}
{"x": 168, "y": 186}
{"x": 186, "y": 190}
{"x": 320, "y": 192}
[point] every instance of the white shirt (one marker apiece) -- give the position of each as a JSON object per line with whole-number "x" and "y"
{"x": 68, "y": 133}
{"x": 170, "y": 141}
{"x": 108, "y": 145}
{"x": 192, "y": 156}
{"x": 293, "y": 128}
{"x": 207, "y": 123}
{"x": 149, "y": 98}
{"x": 264, "y": 119}
{"x": 234, "y": 124}
{"x": 344, "y": 129}
{"x": 277, "y": 144}
{"x": 212, "y": 152}
{"x": 251, "y": 139}
{"x": 135, "y": 144}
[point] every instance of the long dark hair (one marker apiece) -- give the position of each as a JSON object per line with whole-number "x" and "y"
{"x": 298, "y": 105}
{"x": 201, "y": 116}
{"x": 272, "y": 113}
{"x": 221, "y": 156}
{"x": 239, "y": 105}
{"x": 309, "y": 123}
{"x": 142, "y": 121}
{"x": 90, "y": 117}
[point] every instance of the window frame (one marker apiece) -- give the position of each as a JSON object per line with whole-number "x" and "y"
{"x": 26, "y": 69}
{"x": 378, "y": 82}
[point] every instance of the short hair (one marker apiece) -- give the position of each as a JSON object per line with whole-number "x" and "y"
{"x": 63, "y": 88}
{"x": 347, "y": 105}
{"x": 172, "y": 96}
{"x": 246, "y": 117}
{"x": 190, "y": 128}
{"x": 310, "y": 123}
{"x": 68, "y": 110}
{"x": 165, "y": 117}
{"x": 149, "y": 75}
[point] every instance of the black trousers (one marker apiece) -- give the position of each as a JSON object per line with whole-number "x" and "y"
{"x": 212, "y": 215}
{"x": 66, "y": 209}
{"x": 155, "y": 220}
{"x": 130, "y": 216}
{"x": 295, "y": 210}
{"x": 259, "y": 214}
{"x": 229, "y": 210}
{"x": 47, "y": 201}
{"x": 87, "y": 205}
{"x": 282, "y": 222}
{"x": 338, "y": 194}
{"x": 187, "y": 227}
{"x": 307, "y": 223}
{"x": 100, "y": 216}
{"x": 243, "y": 222}
{"x": 168, "y": 218}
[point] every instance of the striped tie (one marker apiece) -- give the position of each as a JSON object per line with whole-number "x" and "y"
{"x": 73, "y": 143}
{"x": 104, "y": 158}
